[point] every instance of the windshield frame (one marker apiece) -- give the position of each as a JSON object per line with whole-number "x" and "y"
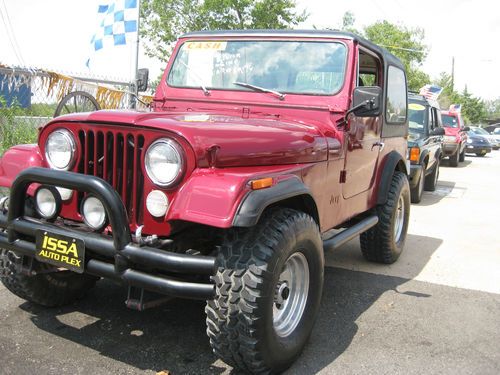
{"x": 173, "y": 59}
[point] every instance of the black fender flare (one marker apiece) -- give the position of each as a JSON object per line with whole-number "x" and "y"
{"x": 255, "y": 202}
{"x": 393, "y": 161}
{"x": 422, "y": 156}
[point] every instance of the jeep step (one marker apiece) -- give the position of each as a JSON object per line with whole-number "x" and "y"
{"x": 348, "y": 234}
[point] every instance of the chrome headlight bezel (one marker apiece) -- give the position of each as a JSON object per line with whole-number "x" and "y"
{"x": 177, "y": 150}
{"x": 72, "y": 147}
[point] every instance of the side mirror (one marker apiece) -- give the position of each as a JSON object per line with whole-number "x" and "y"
{"x": 465, "y": 129}
{"x": 437, "y": 131}
{"x": 366, "y": 101}
{"x": 142, "y": 79}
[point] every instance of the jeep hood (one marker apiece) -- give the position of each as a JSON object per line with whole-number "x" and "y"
{"x": 451, "y": 131}
{"x": 236, "y": 141}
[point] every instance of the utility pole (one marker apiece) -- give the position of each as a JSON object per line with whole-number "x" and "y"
{"x": 452, "y": 73}
{"x": 135, "y": 62}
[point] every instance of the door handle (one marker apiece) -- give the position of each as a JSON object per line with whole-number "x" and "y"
{"x": 379, "y": 144}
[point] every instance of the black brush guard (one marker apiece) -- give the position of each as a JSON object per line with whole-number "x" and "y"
{"x": 121, "y": 253}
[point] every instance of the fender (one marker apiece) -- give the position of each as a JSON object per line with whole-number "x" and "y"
{"x": 422, "y": 156}
{"x": 17, "y": 159}
{"x": 256, "y": 201}
{"x": 393, "y": 161}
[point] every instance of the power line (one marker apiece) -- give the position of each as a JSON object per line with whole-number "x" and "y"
{"x": 10, "y": 33}
{"x": 404, "y": 49}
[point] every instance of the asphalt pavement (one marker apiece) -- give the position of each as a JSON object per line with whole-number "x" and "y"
{"x": 435, "y": 311}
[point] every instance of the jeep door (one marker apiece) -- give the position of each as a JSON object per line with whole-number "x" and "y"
{"x": 363, "y": 134}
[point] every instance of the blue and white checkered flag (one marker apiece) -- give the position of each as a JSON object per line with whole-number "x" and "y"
{"x": 117, "y": 25}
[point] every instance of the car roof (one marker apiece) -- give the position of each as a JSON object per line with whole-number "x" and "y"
{"x": 417, "y": 98}
{"x": 388, "y": 57}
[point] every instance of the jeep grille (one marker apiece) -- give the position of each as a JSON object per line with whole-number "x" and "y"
{"x": 115, "y": 156}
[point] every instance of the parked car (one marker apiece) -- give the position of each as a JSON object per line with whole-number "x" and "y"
{"x": 455, "y": 137}
{"x": 491, "y": 138}
{"x": 477, "y": 143}
{"x": 258, "y": 143}
{"x": 495, "y": 134}
{"x": 425, "y": 140}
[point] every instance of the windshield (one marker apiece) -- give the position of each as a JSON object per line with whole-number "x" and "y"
{"x": 283, "y": 66}
{"x": 449, "y": 121}
{"x": 479, "y": 131}
{"x": 416, "y": 117}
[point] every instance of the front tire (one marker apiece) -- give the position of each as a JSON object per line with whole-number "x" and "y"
{"x": 455, "y": 158}
{"x": 269, "y": 283}
{"x": 385, "y": 241}
{"x": 462, "y": 156}
{"x": 49, "y": 289}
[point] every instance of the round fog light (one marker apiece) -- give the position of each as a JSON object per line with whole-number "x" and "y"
{"x": 47, "y": 202}
{"x": 93, "y": 212}
{"x": 157, "y": 203}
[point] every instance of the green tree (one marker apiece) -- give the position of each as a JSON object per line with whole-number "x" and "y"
{"x": 164, "y": 20}
{"x": 405, "y": 43}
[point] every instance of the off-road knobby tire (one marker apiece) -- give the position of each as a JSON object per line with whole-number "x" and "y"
{"x": 240, "y": 318}
{"x": 46, "y": 289}
{"x": 417, "y": 191}
{"x": 454, "y": 159}
{"x": 462, "y": 156}
{"x": 432, "y": 179}
{"x": 378, "y": 244}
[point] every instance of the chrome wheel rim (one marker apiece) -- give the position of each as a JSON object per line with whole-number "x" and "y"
{"x": 399, "y": 219}
{"x": 290, "y": 296}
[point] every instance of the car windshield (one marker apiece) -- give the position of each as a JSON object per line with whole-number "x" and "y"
{"x": 416, "y": 117}
{"x": 295, "y": 67}
{"x": 449, "y": 121}
{"x": 479, "y": 131}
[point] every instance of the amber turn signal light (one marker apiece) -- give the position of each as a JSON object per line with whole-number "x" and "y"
{"x": 414, "y": 154}
{"x": 261, "y": 183}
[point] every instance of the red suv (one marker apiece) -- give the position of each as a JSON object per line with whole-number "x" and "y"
{"x": 258, "y": 143}
{"x": 455, "y": 138}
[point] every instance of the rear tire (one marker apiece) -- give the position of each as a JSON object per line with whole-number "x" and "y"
{"x": 432, "y": 179}
{"x": 259, "y": 320}
{"x": 46, "y": 289}
{"x": 417, "y": 191}
{"x": 385, "y": 241}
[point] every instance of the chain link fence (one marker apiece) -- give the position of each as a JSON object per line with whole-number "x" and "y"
{"x": 29, "y": 98}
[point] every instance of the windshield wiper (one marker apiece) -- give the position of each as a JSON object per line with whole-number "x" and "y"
{"x": 201, "y": 86}
{"x": 260, "y": 89}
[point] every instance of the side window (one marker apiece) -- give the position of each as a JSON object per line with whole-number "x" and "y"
{"x": 432, "y": 118}
{"x": 368, "y": 70}
{"x": 395, "y": 108}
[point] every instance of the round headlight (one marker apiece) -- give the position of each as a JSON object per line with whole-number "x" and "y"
{"x": 47, "y": 202}
{"x": 164, "y": 162}
{"x": 93, "y": 212}
{"x": 60, "y": 149}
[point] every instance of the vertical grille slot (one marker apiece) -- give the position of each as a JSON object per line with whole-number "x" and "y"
{"x": 116, "y": 158}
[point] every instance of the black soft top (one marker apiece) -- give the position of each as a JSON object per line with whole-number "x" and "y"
{"x": 388, "y": 57}
{"x": 417, "y": 98}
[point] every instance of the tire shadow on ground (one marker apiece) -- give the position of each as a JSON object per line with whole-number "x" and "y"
{"x": 172, "y": 336}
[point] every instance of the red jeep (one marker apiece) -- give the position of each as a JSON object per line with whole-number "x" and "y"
{"x": 258, "y": 143}
{"x": 455, "y": 138}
